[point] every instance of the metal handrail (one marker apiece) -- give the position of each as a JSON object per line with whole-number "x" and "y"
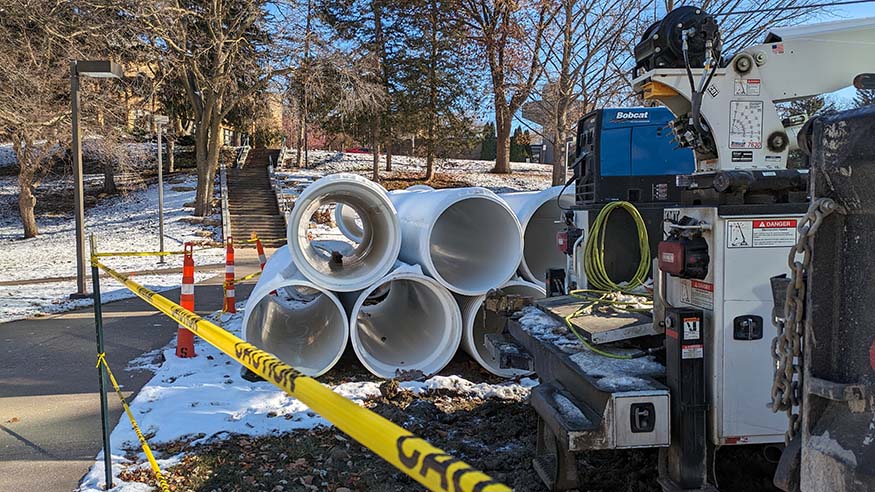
{"x": 226, "y": 214}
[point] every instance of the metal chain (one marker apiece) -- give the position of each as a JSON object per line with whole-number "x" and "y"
{"x": 787, "y": 345}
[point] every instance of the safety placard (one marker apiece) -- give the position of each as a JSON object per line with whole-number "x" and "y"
{"x": 747, "y": 87}
{"x": 761, "y": 233}
{"x": 696, "y": 351}
{"x": 746, "y": 125}
{"x": 697, "y": 293}
{"x": 692, "y": 329}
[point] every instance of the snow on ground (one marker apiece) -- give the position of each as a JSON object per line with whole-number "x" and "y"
{"x": 121, "y": 223}
{"x": 525, "y": 177}
{"x": 7, "y": 155}
{"x": 205, "y": 399}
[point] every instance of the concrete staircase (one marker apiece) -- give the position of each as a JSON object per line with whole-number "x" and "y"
{"x": 252, "y": 203}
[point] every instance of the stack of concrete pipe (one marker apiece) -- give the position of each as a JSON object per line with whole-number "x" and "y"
{"x": 407, "y": 287}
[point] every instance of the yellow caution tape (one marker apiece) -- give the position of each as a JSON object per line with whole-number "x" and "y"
{"x": 162, "y": 483}
{"x": 139, "y": 253}
{"x": 243, "y": 279}
{"x": 414, "y": 456}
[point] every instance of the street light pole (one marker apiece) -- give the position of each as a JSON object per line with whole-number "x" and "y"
{"x": 78, "y": 186}
{"x": 98, "y": 69}
{"x": 160, "y": 120}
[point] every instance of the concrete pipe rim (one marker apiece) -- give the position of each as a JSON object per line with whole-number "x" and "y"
{"x": 319, "y": 294}
{"x": 544, "y": 198}
{"x": 372, "y": 258}
{"x": 440, "y": 355}
{"x": 346, "y": 222}
{"x": 471, "y": 309}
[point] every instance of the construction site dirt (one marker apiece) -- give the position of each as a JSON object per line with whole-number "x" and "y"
{"x": 496, "y": 436}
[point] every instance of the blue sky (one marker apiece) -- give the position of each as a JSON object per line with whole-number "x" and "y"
{"x": 850, "y": 12}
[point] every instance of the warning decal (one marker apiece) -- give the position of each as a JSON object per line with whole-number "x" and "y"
{"x": 692, "y": 351}
{"x": 747, "y": 87}
{"x": 692, "y": 329}
{"x": 697, "y": 293}
{"x": 761, "y": 233}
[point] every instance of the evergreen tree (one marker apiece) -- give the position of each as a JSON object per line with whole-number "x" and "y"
{"x": 517, "y": 146}
{"x": 434, "y": 93}
{"x": 487, "y": 149}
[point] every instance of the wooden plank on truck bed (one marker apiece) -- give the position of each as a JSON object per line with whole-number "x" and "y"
{"x": 598, "y": 327}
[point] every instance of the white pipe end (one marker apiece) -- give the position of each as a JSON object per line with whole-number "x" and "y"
{"x": 344, "y": 267}
{"x": 405, "y": 322}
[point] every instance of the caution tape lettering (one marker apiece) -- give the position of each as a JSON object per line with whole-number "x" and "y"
{"x": 429, "y": 462}
{"x": 274, "y": 369}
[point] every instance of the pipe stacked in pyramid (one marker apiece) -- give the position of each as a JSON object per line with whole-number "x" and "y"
{"x": 406, "y": 283}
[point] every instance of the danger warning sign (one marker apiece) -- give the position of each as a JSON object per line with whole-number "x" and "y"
{"x": 761, "y": 233}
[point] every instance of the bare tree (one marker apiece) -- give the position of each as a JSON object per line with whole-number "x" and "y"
{"x": 587, "y": 55}
{"x": 226, "y": 50}
{"x": 37, "y": 40}
{"x": 510, "y": 35}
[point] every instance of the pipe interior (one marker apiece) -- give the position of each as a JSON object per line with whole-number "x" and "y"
{"x": 474, "y": 244}
{"x": 349, "y": 258}
{"x": 494, "y": 323}
{"x": 303, "y": 327}
{"x": 349, "y": 222}
{"x": 403, "y": 324}
{"x": 539, "y": 240}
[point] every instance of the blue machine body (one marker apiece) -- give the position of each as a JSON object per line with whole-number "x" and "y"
{"x": 616, "y": 144}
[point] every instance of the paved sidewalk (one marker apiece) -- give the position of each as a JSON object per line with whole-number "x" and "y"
{"x": 50, "y": 429}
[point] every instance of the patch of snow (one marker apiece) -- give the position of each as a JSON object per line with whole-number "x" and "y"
{"x": 7, "y": 155}
{"x": 204, "y": 399}
{"x": 624, "y": 383}
{"x": 570, "y": 411}
{"x": 149, "y": 361}
{"x": 611, "y": 374}
{"x": 525, "y": 176}
{"x": 829, "y": 446}
{"x": 24, "y": 301}
{"x": 600, "y": 366}
{"x": 122, "y": 223}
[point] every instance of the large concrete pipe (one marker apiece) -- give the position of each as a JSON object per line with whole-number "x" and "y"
{"x": 349, "y": 222}
{"x": 468, "y": 239}
{"x": 477, "y": 325}
{"x": 342, "y": 267}
{"x": 303, "y": 324}
{"x": 540, "y": 218}
{"x": 405, "y": 322}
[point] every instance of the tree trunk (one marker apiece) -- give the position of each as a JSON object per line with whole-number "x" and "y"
{"x": 300, "y": 154}
{"x": 429, "y": 160}
{"x": 559, "y": 146}
{"x": 109, "y": 178}
{"x": 388, "y": 157}
{"x": 171, "y": 153}
{"x": 207, "y": 150}
{"x": 376, "y": 156}
{"x": 26, "y": 205}
{"x": 375, "y": 142}
{"x": 502, "y": 143}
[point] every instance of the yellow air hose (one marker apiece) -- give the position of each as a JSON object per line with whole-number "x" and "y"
{"x": 597, "y": 275}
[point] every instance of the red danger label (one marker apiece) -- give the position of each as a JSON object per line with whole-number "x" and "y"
{"x": 774, "y": 224}
{"x": 702, "y": 285}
